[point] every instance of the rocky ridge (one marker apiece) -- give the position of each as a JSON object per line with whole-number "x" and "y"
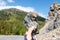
{"x": 51, "y": 29}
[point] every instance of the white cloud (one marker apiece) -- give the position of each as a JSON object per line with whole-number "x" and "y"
{"x": 10, "y": 1}
{"x": 2, "y": 3}
{"x": 27, "y": 9}
{"x": 42, "y": 15}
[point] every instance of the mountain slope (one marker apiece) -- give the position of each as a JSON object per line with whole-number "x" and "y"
{"x": 11, "y": 21}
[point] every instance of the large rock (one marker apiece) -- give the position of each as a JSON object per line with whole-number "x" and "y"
{"x": 51, "y": 30}
{"x": 52, "y": 35}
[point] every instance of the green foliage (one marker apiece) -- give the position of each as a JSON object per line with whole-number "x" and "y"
{"x": 41, "y": 21}
{"x": 11, "y": 22}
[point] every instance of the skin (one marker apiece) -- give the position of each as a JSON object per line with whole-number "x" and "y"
{"x": 28, "y": 33}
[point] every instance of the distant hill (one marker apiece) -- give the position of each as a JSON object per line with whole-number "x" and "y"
{"x": 11, "y": 21}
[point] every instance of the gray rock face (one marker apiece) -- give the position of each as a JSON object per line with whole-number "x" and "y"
{"x": 30, "y": 21}
{"x": 51, "y": 30}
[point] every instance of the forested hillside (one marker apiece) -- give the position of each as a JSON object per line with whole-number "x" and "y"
{"x": 11, "y": 22}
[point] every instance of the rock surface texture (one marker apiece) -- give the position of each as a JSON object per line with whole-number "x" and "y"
{"x": 51, "y": 29}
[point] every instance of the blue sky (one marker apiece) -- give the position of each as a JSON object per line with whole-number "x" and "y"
{"x": 40, "y": 6}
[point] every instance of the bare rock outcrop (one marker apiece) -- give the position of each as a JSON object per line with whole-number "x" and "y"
{"x": 51, "y": 30}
